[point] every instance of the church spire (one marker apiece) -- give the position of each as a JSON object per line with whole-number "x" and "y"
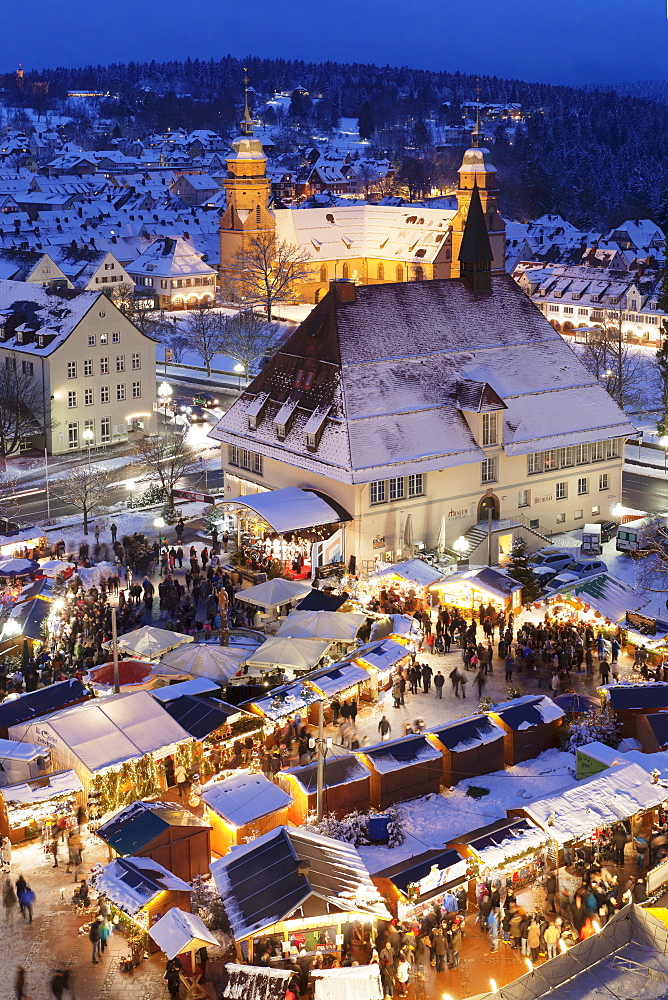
{"x": 475, "y": 252}
{"x": 247, "y": 123}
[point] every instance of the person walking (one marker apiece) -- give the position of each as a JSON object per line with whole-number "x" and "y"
{"x": 533, "y": 940}
{"x": 604, "y": 668}
{"x": 180, "y": 527}
{"x": 94, "y": 938}
{"x": 181, "y": 778}
{"x": 9, "y": 901}
{"x": 396, "y": 691}
{"x": 26, "y": 898}
{"x": 426, "y": 677}
{"x": 384, "y": 728}
{"x": 439, "y": 681}
{"x": 456, "y": 679}
{"x": 439, "y": 946}
{"x": 480, "y": 680}
{"x": 552, "y": 935}
{"x": 114, "y": 533}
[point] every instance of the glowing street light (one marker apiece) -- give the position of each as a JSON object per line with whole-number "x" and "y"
{"x": 663, "y": 441}
{"x": 239, "y": 370}
{"x": 461, "y": 547}
{"x": 165, "y": 392}
{"x": 89, "y": 437}
{"x": 159, "y": 523}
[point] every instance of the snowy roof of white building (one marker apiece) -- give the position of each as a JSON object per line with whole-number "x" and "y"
{"x": 52, "y": 315}
{"x": 391, "y": 360}
{"x": 170, "y": 256}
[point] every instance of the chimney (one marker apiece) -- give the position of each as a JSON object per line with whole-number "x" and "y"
{"x": 345, "y": 290}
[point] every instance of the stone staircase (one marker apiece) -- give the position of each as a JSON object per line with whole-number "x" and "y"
{"x": 476, "y": 535}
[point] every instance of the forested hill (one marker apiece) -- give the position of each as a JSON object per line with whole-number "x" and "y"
{"x": 593, "y": 156}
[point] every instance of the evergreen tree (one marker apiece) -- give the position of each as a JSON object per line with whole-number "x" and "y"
{"x": 662, "y": 353}
{"x": 520, "y": 569}
{"x": 599, "y": 725}
{"x": 365, "y": 122}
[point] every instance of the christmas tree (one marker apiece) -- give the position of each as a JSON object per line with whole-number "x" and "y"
{"x": 520, "y": 568}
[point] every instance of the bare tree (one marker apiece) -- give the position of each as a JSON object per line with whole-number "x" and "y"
{"x": 149, "y": 320}
{"x": 202, "y": 334}
{"x": 267, "y": 271}
{"x": 23, "y": 410}
{"x": 246, "y": 338}
{"x": 85, "y": 488}
{"x": 620, "y": 369}
{"x": 166, "y": 458}
{"x": 652, "y": 555}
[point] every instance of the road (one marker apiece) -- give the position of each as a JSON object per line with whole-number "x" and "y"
{"x": 645, "y": 493}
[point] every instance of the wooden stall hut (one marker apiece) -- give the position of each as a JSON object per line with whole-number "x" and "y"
{"x": 179, "y": 933}
{"x": 276, "y": 597}
{"x": 531, "y": 724}
{"x": 382, "y": 658}
{"x": 286, "y": 700}
{"x": 652, "y": 731}
{"x": 297, "y": 886}
{"x": 417, "y": 882}
{"x": 344, "y": 681}
{"x": 163, "y": 832}
{"x": 594, "y": 757}
{"x": 630, "y": 701}
{"x": 469, "y": 588}
{"x": 35, "y": 704}
{"x": 242, "y": 806}
{"x": 470, "y": 747}
{"x": 402, "y": 769}
{"x": 22, "y": 761}
{"x": 30, "y": 806}
{"x": 508, "y": 851}
{"x": 285, "y": 658}
{"x": 346, "y": 787}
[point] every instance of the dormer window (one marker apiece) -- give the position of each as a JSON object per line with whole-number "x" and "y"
{"x": 489, "y": 430}
{"x": 19, "y": 336}
{"x": 40, "y": 340}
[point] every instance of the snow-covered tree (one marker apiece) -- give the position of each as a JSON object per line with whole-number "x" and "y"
{"x": 246, "y": 338}
{"x": 519, "y": 567}
{"x": 395, "y": 828}
{"x": 598, "y": 725}
{"x": 85, "y": 488}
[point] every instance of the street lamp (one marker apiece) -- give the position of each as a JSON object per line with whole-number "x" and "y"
{"x": 159, "y": 523}
{"x": 663, "y": 441}
{"x": 461, "y": 547}
{"x": 88, "y": 436}
{"x": 165, "y": 392}
{"x": 239, "y": 369}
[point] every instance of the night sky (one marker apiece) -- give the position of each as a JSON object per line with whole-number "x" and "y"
{"x": 558, "y": 41}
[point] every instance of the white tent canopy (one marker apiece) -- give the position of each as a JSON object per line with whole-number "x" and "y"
{"x": 412, "y": 571}
{"x": 104, "y": 732}
{"x": 149, "y": 643}
{"x": 339, "y": 626}
{"x": 53, "y": 567}
{"x": 274, "y": 593}
{"x": 177, "y": 932}
{"x": 301, "y": 654}
{"x": 215, "y": 663}
{"x": 287, "y": 509}
{"x": 360, "y": 982}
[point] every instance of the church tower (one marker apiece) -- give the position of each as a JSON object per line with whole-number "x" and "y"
{"x": 247, "y": 189}
{"x": 478, "y": 171}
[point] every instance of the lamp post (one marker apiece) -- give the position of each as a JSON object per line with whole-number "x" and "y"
{"x": 461, "y": 547}
{"x": 88, "y": 436}
{"x": 663, "y": 441}
{"x": 239, "y": 369}
{"x": 159, "y": 523}
{"x": 165, "y": 393}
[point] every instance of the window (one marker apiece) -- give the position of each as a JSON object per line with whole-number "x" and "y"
{"x": 488, "y": 429}
{"x": 72, "y": 435}
{"x": 582, "y": 485}
{"x": 415, "y": 485}
{"x": 120, "y": 391}
{"x": 115, "y": 338}
{"x": 28, "y": 368}
{"x": 136, "y": 361}
{"x": 104, "y": 339}
{"x": 583, "y": 312}
{"x": 72, "y": 398}
{"x": 323, "y": 272}
{"x": 163, "y": 282}
{"x": 120, "y": 362}
{"x": 245, "y": 459}
{"x": 524, "y": 498}
{"x": 554, "y": 309}
{"x": 596, "y": 452}
{"x": 578, "y": 515}
{"x": 534, "y": 463}
{"x": 612, "y": 448}
{"x": 381, "y": 272}
{"x": 419, "y": 273}
{"x": 345, "y": 272}
{"x": 10, "y": 363}
{"x": 568, "y": 310}
{"x": 89, "y": 425}
{"x": 104, "y": 394}
{"x": 109, "y": 267}
{"x": 561, "y": 518}
{"x": 396, "y": 488}
{"x": 88, "y": 366}
{"x": 603, "y": 481}
{"x": 105, "y": 430}
{"x": 561, "y": 491}
{"x": 596, "y": 510}
{"x": 88, "y": 397}
{"x": 136, "y": 390}
{"x": 377, "y": 492}
{"x": 488, "y": 471}
{"x": 71, "y": 369}
{"x": 104, "y": 366}
{"x": 566, "y": 458}
{"x": 581, "y": 454}
{"x": 400, "y": 273}
{"x": 550, "y": 460}
{"x": 91, "y": 340}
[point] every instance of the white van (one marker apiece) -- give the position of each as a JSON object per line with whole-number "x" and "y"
{"x": 629, "y": 535}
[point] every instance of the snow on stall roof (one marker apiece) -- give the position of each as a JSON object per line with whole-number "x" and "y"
{"x": 413, "y": 571}
{"x": 40, "y": 789}
{"x": 178, "y": 931}
{"x": 516, "y": 840}
{"x": 130, "y": 883}
{"x": 339, "y": 626}
{"x": 15, "y": 750}
{"x": 360, "y": 982}
{"x": 339, "y": 770}
{"x": 250, "y": 982}
{"x": 463, "y": 734}
{"x": 528, "y": 711}
{"x": 404, "y": 752}
{"x": 244, "y": 797}
{"x": 289, "y": 508}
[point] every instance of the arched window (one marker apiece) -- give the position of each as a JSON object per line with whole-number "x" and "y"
{"x": 400, "y": 273}
{"x": 419, "y": 273}
{"x": 346, "y": 271}
{"x": 323, "y": 273}
{"x": 258, "y": 216}
{"x": 381, "y": 272}
{"x": 317, "y": 294}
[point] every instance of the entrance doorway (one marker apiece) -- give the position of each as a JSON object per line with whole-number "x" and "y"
{"x": 489, "y": 502}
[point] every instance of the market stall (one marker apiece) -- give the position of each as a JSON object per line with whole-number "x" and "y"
{"x": 179, "y": 933}
{"x": 44, "y": 588}
{"x": 148, "y": 642}
{"x": 140, "y": 892}
{"x": 382, "y": 659}
{"x": 275, "y": 596}
{"x": 295, "y": 889}
{"x": 470, "y": 747}
{"x": 412, "y": 886}
{"x": 346, "y": 787}
{"x": 241, "y": 806}
{"x": 33, "y": 806}
{"x": 16, "y": 543}
{"x": 36, "y": 704}
{"x": 163, "y": 832}
{"x": 470, "y": 588}
{"x": 402, "y": 587}
{"x": 339, "y": 627}
{"x": 22, "y": 761}
{"x": 508, "y": 853}
{"x": 402, "y": 769}
{"x": 631, "y": 701}
{"x": 652, "y": 731}
{"x": 27, "y": 621}
{"x": 531, "y": 724}
{"x": 344, "y": 681}
{"x": 133, "y": 675}
{"x": 286, "y": 657}
{"x": 286, "y": 701}
{"x": 56, "y": 567}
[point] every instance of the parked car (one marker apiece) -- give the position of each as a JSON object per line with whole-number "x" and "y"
{"x": 586, "y": 567}
{"x": 205, "y": 399}
{"x": 178, "y": 404}
{"x": 544, "y": 574}
{"x": 608, "y": 530}
{"x": 196, "y": 415}
{"x": 554, "y": 558}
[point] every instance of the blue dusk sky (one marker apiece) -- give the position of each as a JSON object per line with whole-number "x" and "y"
{"x": 555, "y": 41}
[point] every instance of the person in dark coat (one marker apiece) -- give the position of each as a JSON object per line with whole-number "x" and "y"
{"x": 439, "y": 681}
{"x": 426, "y": 677}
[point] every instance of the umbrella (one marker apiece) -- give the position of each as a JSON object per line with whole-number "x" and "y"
{"x": 149, "y": 642}
{"x": 17, "y": 567}
{"x": 177, "y": 932}
{"x": 216, "y": 663}
{"x": 132, "y": 674}
{"x": 273, "y": 593}
{"x": 574, "y": 703}
{"x": 54, "y": 567}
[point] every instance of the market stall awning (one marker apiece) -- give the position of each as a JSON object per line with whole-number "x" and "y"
{"x": 149, "y": 642}
{"x": 198, "y": 685}
{"x": 131, "y": 883}
{"x": 49, "y": 786}
{"x": 527, "y": 712}
{"x": 289, "y": 869}
{"x": 339, "y": 626}
{"x": 34, "y": 704}
{"x": 382, "y": 655}
{"x": 358, "y": 981}
{"x": 339, "y": 770}
{"x": 285, "y": 700}
{"x": 177, "y": 932}
{"x": 502, "y": 843}
{"x": 244, "y": 797}
{"x": 212, "y": 662}
{"x": 464, "y": 734}
{"x": 289, "y": 509}
{"x": 339, "y": 677}
{"x": 54, "y": 567}
{"x": 133, "y": 675}
{"x": 300, "y": 654}
{"x": 318, "y": 600}
{"x": 402, "y": 625}
{"x": 27, "y": 619}
{"x": 274, "y": 593}
{"x": 13, "y": 750}
{"x": 201, "y": 716}
{"x": 38, "y": 588}
{"x": 429, "y": 872}
{"x": 610, "y": 597}
{"x": 616, "y": 794}
{"x": 489, "y": 581}
{"x": 413, "y": 571}
{"x": 17, "y": 567}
